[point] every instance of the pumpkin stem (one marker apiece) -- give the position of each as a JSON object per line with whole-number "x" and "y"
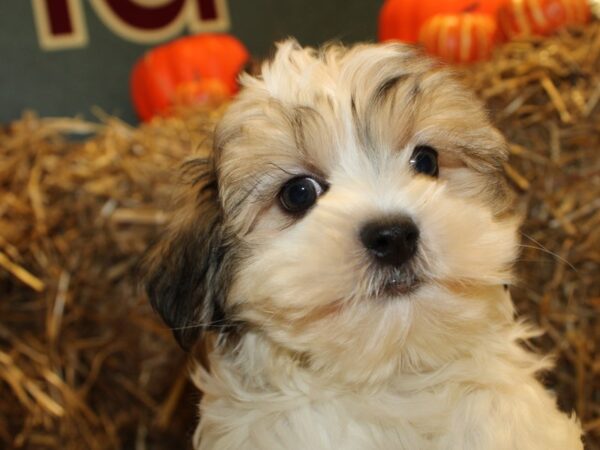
{"x": 470, "y": 8}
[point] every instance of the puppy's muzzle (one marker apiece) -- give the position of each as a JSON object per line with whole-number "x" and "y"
{"x": 391, "y": 241}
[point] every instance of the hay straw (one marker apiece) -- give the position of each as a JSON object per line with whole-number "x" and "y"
{"x": 30, "y": 280}
{"x": 84, "y": 362}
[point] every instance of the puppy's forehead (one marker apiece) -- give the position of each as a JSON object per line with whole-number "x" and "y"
{"x": 305, "y": 75}
{"x": 309, "y": 106}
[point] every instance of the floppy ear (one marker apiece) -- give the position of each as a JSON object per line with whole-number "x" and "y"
{"x": 187, "y": 270}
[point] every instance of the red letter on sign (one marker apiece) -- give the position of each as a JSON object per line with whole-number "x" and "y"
{"x": 59, "y": 23}
{"x": 158, "y": 17}
{"x": 148, "y": 24}
{"x": 146, "y": 18}
{"x": 208, "y": 9}
{"x": 208, "y": 15}
{"x": 60, "y": 17}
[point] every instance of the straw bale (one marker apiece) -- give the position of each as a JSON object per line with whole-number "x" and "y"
{"x": 83, "y": 360}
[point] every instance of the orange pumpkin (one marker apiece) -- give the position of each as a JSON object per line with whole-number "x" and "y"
{"x": 189, "y": 70}
{"x": 201, "y": 91}
{"x": 459, "y": 38}
{"x": 540, "y": 17}
{"x": 402, "y": 19}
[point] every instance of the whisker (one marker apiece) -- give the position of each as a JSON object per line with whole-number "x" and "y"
{"x": 217, "y": 323}
{"x": 546, "y": 250}
{"x": 537, "y": 261}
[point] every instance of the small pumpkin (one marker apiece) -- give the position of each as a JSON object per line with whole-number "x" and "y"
{"x": 518, "y": 18}
{"x": 459, "y": 38}
{"x": 192, "y": 69}
{"x": 201, "y": 91}
{"x": 402, "y": 19}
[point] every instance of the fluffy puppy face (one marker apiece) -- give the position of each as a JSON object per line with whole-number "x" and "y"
{"x": 354, "y": 213}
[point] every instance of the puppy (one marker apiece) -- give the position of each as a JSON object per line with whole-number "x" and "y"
{"x": 345, "y": 253}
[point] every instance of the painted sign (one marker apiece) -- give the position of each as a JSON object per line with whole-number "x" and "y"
{"x": 61, "y": 24}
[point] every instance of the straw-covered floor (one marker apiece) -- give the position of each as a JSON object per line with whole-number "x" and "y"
{"x": 84, "y": 363}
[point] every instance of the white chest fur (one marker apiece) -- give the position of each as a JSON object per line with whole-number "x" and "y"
{"x": 477, "y": 403}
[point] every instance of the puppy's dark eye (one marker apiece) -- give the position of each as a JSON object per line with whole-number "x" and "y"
{"x": 299, "y": 194}
{"x": 425, "y": 160}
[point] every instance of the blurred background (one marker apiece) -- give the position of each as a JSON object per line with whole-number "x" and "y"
{"x": 101, "y": 101}
{"x": 70, "y": 78}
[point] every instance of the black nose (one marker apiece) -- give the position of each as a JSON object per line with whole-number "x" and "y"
{"x": 392, "y": 242}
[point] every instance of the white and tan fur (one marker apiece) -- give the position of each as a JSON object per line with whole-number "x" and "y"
{"x": 306, "y": 349}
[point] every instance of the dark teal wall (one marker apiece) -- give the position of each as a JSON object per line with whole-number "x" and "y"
{"x": 69, "y": 82}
